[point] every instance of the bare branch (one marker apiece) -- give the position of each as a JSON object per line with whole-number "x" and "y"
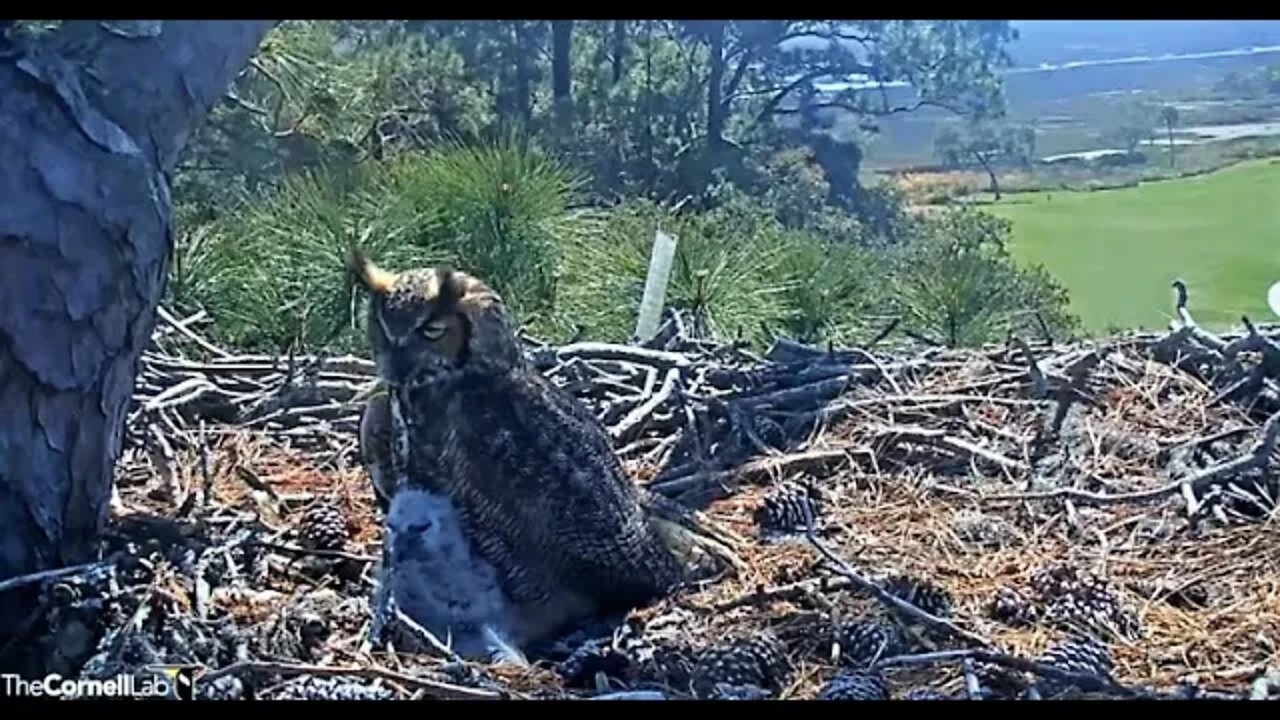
{"x": 856, "y": 110}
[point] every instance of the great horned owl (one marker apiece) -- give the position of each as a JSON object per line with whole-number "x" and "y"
{"x": 539, "y": 495}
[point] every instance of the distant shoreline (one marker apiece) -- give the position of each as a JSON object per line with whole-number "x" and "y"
{"x": 1138, "y": 59}
{"x": 1076, "y": 65}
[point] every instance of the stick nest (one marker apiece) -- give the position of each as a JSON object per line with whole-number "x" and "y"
{"x": 919, "y": 524}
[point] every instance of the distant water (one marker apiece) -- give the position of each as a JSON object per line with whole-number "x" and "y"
{"x": 1167, "y": 57}
{"x": 907, "y": 137}
{"x": 861, "y": 83}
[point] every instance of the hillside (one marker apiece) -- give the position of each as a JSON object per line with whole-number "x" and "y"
{"x": 1116, "y": 251}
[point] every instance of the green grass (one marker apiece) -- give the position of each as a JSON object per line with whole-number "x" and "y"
{"x": 1116, "y": 251}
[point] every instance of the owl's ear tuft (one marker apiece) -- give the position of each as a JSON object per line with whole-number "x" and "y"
{"x": 371, "y": 277}
{"x": 449, "y": 288}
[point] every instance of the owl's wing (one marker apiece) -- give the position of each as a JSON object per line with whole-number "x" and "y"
{"x": 375, "y": 447}
{"x": 538, "y": 469}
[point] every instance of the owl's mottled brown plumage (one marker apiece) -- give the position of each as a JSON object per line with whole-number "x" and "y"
{"x": 531, "y": 471}
{"x": 375, "y": 448}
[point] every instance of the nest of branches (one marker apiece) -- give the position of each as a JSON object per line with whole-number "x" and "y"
{"x": 1030, "y": 521}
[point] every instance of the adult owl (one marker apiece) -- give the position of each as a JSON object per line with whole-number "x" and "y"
{"x": 508, "y": 515}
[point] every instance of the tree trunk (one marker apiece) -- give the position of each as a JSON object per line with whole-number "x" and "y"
{"x": 619, "y": 54}
{"x": 715, "y": 101}
{"x": 1171, "y": 149}
{"x": 91, "y": 125}
{"x": 991, "y": 173}
{"x": 562, "y": 76}
{"x": 524, "y": 74}
{"x": 715, "y": 90}
{"x": 647, "y": 138}
{"x": 561, "y": 59}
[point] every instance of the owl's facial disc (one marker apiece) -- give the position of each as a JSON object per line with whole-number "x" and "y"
{"x": 430, "y": 325}
{"x": 415, "y": 327}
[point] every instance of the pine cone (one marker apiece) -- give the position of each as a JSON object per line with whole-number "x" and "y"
{"x": 925, "y": 693}
{"x": 987, "y": 531}
{"x": 333, "y": 688}
{"x": 592, "y": 657}
{"x": 760, "y": 661}
{"x": 721, "y": 691}
{"x": 227, "y": 687}
{"x": 1012, "y": 609}
{"x": 863, "y": 641}
{"x": 1056, "y": 581}
{"x": 323, "y": 527}
{"x": 770, "y": 432}
{"x": 923, "y": 594}
{"x": 783, "y": 510}
{"x": 855, "y": 685}
{"x": 1075, "y": 600}
{"x": 1099, "y": 612}
{"x": 655, "y": 660}
{"x": 1077, "y": 655}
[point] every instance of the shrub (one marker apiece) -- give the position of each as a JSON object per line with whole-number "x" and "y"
{"x": 959, "y": 285}
{"x": 832, "y": 290}
{"x": 272, "y": 275}
{"x": 738, "y": 270}
{"x": 725, "y": 271}
{"x": 503, "y": 211}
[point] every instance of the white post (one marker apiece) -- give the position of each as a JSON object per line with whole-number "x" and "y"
{"x": 655, "y": 285}
{"x": 1273, "y": 298}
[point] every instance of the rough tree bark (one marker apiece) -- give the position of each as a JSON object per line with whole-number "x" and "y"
{"x": 92, "y": 121}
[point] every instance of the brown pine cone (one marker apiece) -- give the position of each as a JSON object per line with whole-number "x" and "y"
{"x": 323, "y": 527}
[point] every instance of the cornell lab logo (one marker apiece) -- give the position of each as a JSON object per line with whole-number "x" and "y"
{"x": 181, "y": 679}
{"x": 161, "y": 682}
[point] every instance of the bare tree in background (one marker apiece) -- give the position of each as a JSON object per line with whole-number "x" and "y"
{"x": 987, "y": 145}
{"x": 93, "y": 119}
{"x": 1169, "y": 116}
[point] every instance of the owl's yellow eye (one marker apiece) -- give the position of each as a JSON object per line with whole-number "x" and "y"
{"x": 434, "y": 330}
